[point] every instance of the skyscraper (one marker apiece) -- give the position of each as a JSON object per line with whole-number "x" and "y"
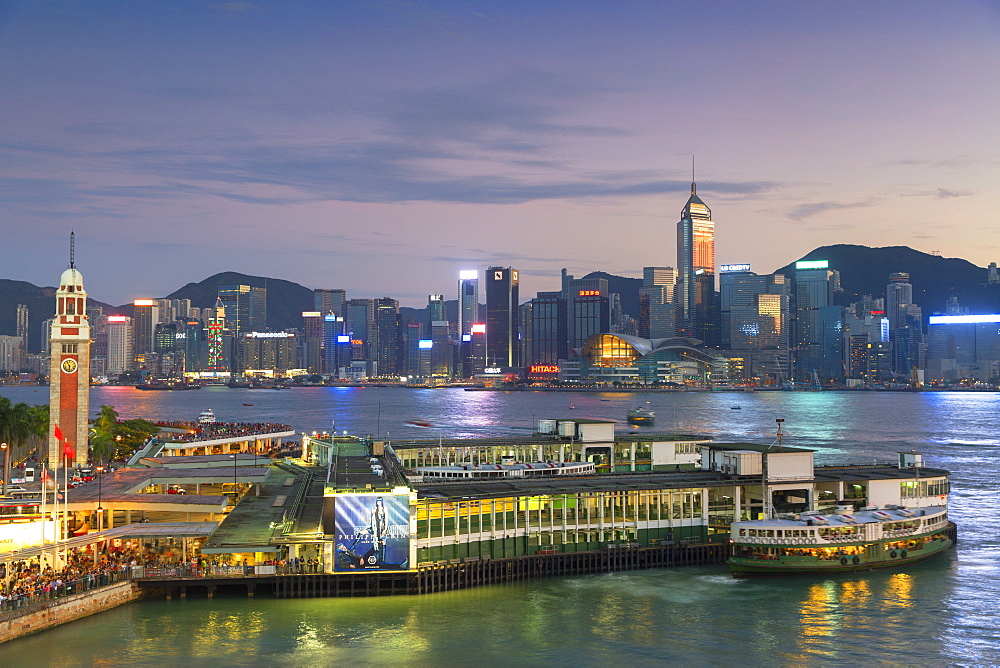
{"x": 246, "y": 308}
{"x": 388, "y": 337}
{"x": 817, "y": 349}
{"x": 435, "y": 310}
{"x": 217, "y": 361}
{"x": 468, "y": 301}
{"x": 328, "y": 301}
{"x": 69, "y": 371}
{"x": 657, "y": 303}
{"x": 695, "y": 268}
{"x": 145, "y": 317}
{"x": 502, "y": 335}
{"x": 547, "y": 341}
{"x": 22, "y": 327}
{"x": 119, "y": 344}
{"x": 905, "y": 325}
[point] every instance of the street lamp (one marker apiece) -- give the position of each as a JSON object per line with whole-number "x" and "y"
{"x": 6, "y": 465}
{"x": 100, "y": 510}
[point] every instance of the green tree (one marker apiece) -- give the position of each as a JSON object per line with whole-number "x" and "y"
{"x": 102, "y": 434}
{"x": 134, "y": 434}
{"x": 15, "y": 429}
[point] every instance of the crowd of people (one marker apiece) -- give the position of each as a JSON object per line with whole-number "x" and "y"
{"x": 214, "y": 430}
{"x": 28, "y": 582}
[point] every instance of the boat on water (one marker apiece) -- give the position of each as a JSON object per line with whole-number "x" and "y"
{"x": 207, "y": 416}
{"x": 640, "y": 415}
{"x": 846, "y": 540}
{"x": 168, "y": 386}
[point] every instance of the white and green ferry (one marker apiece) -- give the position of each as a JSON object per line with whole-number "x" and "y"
{"x": 845, "y": 540}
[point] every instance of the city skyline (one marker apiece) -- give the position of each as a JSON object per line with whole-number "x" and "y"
{"x": 370, "y": 147}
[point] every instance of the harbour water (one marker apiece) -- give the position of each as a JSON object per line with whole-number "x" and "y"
{"x": 939, "y": 612}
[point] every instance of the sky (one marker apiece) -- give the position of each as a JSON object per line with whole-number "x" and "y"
{"x": 382, "y": 147}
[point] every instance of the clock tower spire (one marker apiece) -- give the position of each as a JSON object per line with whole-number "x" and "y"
{"x": 69, "y": 369}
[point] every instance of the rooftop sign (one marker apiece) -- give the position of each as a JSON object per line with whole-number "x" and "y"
{"x": 812, "y": 264}
{"x": 730, "y": 268}
{"x": 962, "y": 319}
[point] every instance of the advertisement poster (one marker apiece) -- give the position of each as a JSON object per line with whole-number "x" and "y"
{"x": 372, "y": 532}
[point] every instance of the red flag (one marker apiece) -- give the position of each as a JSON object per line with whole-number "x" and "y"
{"x": 59, "y": 435}
{"x": 68, "y": 451}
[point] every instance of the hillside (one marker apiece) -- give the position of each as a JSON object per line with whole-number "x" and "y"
{"x": 285, "y": 300}
{"x": 41, "y": 303}
{"x": 865, "y": 271}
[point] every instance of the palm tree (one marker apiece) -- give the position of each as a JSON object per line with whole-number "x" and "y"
{"x": 40, "y": 430}
{"x": 15, "y": 429}
{"x": 102, "y": 434}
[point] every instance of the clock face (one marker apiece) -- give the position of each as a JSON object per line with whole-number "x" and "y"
{"x": 69, "y": 365}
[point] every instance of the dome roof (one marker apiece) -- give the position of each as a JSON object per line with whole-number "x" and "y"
{"x": 71, "y": 277}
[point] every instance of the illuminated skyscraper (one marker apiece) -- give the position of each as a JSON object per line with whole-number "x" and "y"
{"x": 22, "y": 327}
{"x": 145, "y": 318}
{"x": 696, "y": 268}
{"x": 216, "y": 338}
{"x": 468, "y": 301}
{"x": 502, "y": 332}
{"x": 388, "y": 337}
{"x": 246, "y": 308}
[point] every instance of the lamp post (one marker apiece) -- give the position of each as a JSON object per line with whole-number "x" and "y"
{"x": 100, "y": 510}
{"x": 118, "y": 444}
{"x": 6, "y": 465}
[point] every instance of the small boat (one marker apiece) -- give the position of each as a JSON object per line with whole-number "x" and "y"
{"x": 735, "y": 408}
{"x": 419, "y": 422}
{"x": 640, "y": 415}
{"x": 572, "y": 406}
{"x": 248, "y": 404}
{"x": 207, "y": 416}
{"x": 847, "y": 540}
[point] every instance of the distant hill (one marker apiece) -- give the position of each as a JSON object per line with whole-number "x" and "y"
{"x": 627, "y": 289}
{"x": 865, "y": 271}
{"x": 41, "y": 303}
{"x": 285, "y": 300}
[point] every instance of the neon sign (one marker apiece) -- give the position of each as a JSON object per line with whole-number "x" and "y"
{"x": 589, "y": 293}
{"x": 728, "y": 268}
{"x": 812, "y": 264}
{"x": 543, "y": 368}
{"x": 493, "y": 369}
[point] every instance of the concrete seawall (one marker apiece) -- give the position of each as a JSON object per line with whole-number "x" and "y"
{"x": 68, "y": 609}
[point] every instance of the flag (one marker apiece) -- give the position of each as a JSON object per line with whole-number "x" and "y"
{"x": 68, "y": 451}
{"x": 47, "y": 479}
{"x": 59, "y": 435}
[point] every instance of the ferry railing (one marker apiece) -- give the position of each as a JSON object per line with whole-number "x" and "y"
{"x": 220, "y": 571}
{"x": 19, "y": 605}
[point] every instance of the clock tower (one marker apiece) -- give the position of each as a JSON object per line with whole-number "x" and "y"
{"x": 69, "y": 368}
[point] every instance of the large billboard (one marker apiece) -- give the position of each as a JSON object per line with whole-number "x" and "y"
{"x": 371, "y": 532}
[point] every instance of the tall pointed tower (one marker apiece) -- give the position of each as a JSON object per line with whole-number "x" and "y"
{"x": 69, "y": 368}
{"x": 695, "y": 266}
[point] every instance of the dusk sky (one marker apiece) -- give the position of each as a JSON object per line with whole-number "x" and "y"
{"x": 381, "y": 147}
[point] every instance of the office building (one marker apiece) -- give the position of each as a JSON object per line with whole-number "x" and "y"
{"x": 21, "y": 330}
{"x": 905, "y": 326}
{"x": 435, "y": 310}
{"x": 657, "y": 303}
{"x": 145, "y": 318}
{"x": 758, "y": 318}
{"x": 502, "y": 335}
{"x": 963, "y": 348}
{"x": 329, "y": 302}
{"x": 468, "y": 301}
{"x": 312, "y": 341}
{"x": 816, "y": 348}
{"x": 696, "y": 269}
{"x": 588, "y": 309}
{"x": 546, "y": 341}
{"x": 388, "y": 337}
{"x": 359, "y": 324}
{"x": 246, "y": 308}
{"x": 10, "y": 354}
{"x": 120, "y": 352}
{"x": 216, "y": 335}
